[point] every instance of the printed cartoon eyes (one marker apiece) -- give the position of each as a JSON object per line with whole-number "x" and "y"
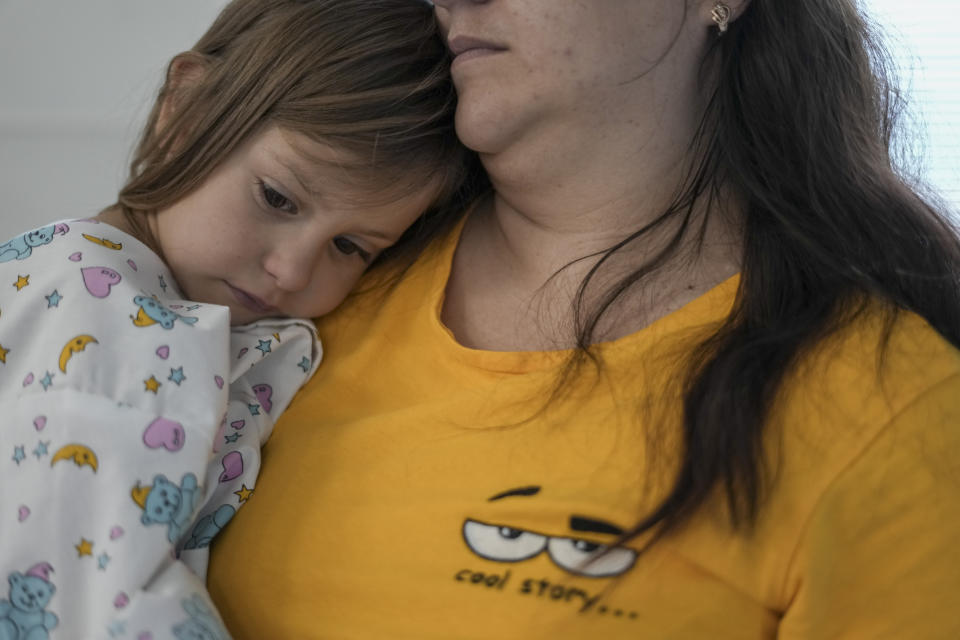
{"x": 588, "y": 558}
{"x": 581, "y": 557}
{"x": 502, "y": 544}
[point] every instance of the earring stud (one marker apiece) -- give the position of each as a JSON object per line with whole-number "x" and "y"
{"x": 721, "y": 16}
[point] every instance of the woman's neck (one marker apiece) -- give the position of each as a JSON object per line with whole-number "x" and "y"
{"x": 523, "y": 256}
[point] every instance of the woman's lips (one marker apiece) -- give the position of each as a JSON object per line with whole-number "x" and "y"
{"x": 466, "y": 48}
{"x": 250, "y": 301}
{"x": 470, "y": 54}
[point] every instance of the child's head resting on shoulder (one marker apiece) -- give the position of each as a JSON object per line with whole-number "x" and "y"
{"x": 295, "y": 142}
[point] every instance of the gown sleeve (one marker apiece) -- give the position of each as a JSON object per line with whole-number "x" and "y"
{"x": 112, "y": 390}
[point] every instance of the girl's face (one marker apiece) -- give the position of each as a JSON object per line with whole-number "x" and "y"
{"x": 273, "y": 232}
{"x": 522, "y": 65}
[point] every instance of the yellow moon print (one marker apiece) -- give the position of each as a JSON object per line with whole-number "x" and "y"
{"x": 80, "y": 454}
{"x": 77, "y": 344}
{"x": 103, "y": 242}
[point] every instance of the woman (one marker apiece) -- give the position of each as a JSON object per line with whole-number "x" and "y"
{"x": 690, "y": 371}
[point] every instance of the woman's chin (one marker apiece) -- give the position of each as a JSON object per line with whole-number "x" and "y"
{"x": 484, "y": 129}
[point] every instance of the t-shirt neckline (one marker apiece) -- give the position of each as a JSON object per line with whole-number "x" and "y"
{"x": 710, "y": 307}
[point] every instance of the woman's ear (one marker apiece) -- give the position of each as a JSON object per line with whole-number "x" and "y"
{"x": 721, "y": 13}
{"x": 186, "y": 71}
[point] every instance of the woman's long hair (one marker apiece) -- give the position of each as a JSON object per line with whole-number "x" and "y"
{"x": 800, "y": 127}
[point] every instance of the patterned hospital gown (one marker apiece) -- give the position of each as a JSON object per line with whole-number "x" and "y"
{"x": 131, "y": 422}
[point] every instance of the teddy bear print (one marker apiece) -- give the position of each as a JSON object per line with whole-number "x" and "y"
{"x": 202, "y": 625}
{"x": 151, "y": 312}
{"x": 209, "y": 526}
{"x": 166, "y": 503}
{"x": 24, "y": 615}
{"x": 21, "y": 247}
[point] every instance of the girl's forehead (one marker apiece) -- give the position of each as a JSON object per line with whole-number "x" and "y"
{"x": 331, "y": 171}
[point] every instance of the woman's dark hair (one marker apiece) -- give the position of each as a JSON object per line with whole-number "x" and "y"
{"x": 800, "y": 127}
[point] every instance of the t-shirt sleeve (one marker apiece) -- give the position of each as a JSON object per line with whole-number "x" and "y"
{"x": 880, "y": 556}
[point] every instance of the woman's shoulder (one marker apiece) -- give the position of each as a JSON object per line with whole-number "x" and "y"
{"x": 874, "y": 367}
{"x": 884, "y": 384}
{"x": 870, "y": 443}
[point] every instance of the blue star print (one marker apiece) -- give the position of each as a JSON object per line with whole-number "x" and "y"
{"x": 53, "y": 300}
{"x": 264, "y": 346}
{"x": 41, "y": 449}
{"x": 117, "y": 628}
{"x": 47, "y": 380}
{"x": 254, "y": 409}
{"x": 102, "y": 561}
{"x": 18, "y": 455}
{"x": 304, "y": 364}
{"x": 233, "y": 437}
{"x": 176, "y": 376}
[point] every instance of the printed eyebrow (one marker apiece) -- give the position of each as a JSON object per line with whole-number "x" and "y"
{"x": 519, "y": 491}
{"x": 579, "y": 523}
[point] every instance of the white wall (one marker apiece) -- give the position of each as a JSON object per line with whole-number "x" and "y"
{"x": 77, "y": 76}
{"x": 76, "y": 82}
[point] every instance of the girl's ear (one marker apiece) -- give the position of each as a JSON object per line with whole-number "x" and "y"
{"x": 186, "y": 71}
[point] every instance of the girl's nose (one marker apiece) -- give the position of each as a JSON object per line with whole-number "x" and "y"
{"x": 291, "y": 265}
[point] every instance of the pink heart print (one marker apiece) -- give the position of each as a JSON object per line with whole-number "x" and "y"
{"x": 264, "y": 393}
{"x": 232, "y": 466}
{"x": 164, "y": 433}
{"x": 99, "y": 280}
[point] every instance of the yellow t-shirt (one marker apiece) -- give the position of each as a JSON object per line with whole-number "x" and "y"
{"x": 415, "y": 489}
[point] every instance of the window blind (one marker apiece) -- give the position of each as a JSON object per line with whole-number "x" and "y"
{"x": 924, "y": 38}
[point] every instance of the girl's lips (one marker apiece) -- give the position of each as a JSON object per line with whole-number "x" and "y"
{"x": 250, "y": 301}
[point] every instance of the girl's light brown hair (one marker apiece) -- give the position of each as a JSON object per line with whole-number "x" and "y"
{"x": 370, "y": 77}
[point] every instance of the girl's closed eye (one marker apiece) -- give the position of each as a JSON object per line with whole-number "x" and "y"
{"x": 276, "y": 200}
{"x": 349, "y": 247}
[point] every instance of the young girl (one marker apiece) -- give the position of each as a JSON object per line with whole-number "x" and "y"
{"x": 145, "y": 354}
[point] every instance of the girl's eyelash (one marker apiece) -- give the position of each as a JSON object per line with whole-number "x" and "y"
{"x": 275, "y": 199}
{"x": 349, "y": 247}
